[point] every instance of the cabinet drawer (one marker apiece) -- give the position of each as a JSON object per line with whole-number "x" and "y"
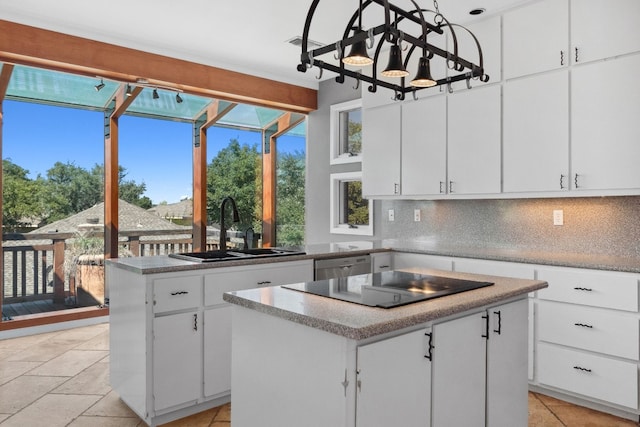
{"x": 599, "y": 377}
{"x": 177, "y": 294}
{"x": 609, "y": 290}
{"x": 600, "y": 330}
{"x": 236, "y": 279}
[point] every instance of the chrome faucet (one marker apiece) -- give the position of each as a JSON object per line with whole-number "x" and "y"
{"x": 236, "y": 218}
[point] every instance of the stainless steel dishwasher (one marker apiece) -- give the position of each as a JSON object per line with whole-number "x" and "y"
{"x": 342, "y": 267}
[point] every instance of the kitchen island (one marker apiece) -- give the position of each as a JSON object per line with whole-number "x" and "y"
{"x": 302, "y": 359}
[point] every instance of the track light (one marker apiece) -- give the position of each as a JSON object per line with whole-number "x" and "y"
{"x": 99, "y": 86}
{"x": 128, "y": 92}
{"x": 155, "y": 94}
{"x": 178, "y": 98}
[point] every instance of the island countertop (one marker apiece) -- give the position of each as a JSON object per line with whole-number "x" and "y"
{"x": 359, "y": 322}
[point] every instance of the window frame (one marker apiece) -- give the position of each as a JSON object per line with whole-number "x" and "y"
{"x": 337, "y": 157}
{"x": 336, "y": 227}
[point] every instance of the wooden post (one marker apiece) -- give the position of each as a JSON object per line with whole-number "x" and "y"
{"x": 213, "y": 114}
{"x": 111, "y": 171}
{"x": 134, "y": 245}
{"x": 5, "y": 76}
{"x": 58, "y": 271}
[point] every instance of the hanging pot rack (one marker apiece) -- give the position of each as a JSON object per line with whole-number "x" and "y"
{"x": 391, "y": 34}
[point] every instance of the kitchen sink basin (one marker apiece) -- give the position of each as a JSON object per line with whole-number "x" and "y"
{"x": 235, "y": 254}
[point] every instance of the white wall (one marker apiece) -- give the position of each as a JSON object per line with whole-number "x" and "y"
{"x": 319, "y": 170}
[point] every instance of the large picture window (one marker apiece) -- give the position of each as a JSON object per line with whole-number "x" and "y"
{"x": 350, "y": 212}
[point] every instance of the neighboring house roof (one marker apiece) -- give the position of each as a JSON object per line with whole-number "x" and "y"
{"x": 130, "y": 217}
{"x": 182, "y": 209}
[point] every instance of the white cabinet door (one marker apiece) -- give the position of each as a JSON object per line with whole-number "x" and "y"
{"x": 177, "y": 359}
{"x": 507, "y": 383}
{"x": 459, "y": 377}
{"x": 424, "y": 146}
{"x": 394, "y": 382}
{"x": 605, "y": 126}
{"x": 536, "y": 133}
{"x": 536, "y": 38}
{"x": 381, "y": 151}
{"x": 621, "y": 37}
{"x": 489, "y": 35}
{"x": 217, "y": 351}
{"x": 474, "y": 141}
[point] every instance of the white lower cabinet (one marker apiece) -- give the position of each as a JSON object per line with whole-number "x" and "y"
{"x": 394, "y": 381}
{"x": 469, "y": 371}
{"x": 177, "y": 359}
{"x": 170, "y": 335}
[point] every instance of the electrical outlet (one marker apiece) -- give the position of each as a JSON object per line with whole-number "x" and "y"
{"x": 392, "y": 215}
{"x": 558, "y": 217}
{"x": 416, "y": 215}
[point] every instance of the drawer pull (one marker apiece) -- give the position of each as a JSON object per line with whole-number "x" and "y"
{"x": 584, "y": 325}
{"x": 195, "y": 322}
{"x": 579, "y": 368}
{"x": 383, "y": 267}
{"x": 499, "y": 330}
{"x": 179, "y": 293}
{"x": 583, "y": 289}
{"x": 266, "y": 282}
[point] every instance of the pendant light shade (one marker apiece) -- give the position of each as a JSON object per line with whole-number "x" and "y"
{"x": 395, "y": 68}
{"x": 358, "y": 55}
{"x": 423, "y": 76}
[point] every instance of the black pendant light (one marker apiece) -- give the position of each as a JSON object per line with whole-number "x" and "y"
{"x": 395, "y": 68}
{"x": 358, "y": 55}
{"x": 423, "y": 76}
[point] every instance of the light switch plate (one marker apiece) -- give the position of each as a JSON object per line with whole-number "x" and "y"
{"x": 392, "y": 215}
{"x": 416, "y": 215}
{"x": 558, "y": 217}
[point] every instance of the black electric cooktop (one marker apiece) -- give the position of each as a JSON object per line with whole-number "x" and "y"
{"x": 387, "y": 289}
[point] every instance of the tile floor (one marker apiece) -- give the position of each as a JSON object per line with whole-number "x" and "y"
{"x": 62, "y": 379}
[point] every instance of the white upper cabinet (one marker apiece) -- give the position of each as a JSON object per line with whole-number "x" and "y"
{"x": 605, "y": 125}
{"x": 603, "y": 28}
{"x": 424, "y": 146}
{"x": 536, "y": 133}
{"x": 474, "y": 141}
{"x": 381, "y": 150}
{"x": 488, "y": 33}
{"x": 536, "y": 38}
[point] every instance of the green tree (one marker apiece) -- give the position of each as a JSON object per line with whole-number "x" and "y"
{"x": 290, "y": 199}
{"x": 21, "y": 197}
{"x": 71, "y": 189}
{"x": 234, "y": 172}
{"x": 357, "y": 207}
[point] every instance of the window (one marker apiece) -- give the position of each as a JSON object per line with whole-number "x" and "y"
{"x": 350, "y": 213}
{"x": 346, "y": 132}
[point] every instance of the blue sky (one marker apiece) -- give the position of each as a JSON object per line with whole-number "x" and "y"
{"x": 156, "y": 152}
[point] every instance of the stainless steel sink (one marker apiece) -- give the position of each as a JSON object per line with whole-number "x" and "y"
{"x": 235, "y": 254}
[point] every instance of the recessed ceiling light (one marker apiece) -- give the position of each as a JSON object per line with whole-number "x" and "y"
{"x": 477, "y": 11}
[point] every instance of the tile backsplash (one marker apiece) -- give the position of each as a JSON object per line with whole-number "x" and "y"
{"x": 593, "y": 225}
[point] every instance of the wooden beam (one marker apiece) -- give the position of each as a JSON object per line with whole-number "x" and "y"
{"x": 22, "y": 44}
{"x": 200, "y": 189}
{"x": 5, "y": 76}
{"x": 123, "y": 101}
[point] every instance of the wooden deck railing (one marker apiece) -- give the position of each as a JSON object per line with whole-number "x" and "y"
{"x": 34, "y": 264}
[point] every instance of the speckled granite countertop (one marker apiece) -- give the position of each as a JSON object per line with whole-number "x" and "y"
{"x": 165, "y": 264}
{"x": 359, "y": 322}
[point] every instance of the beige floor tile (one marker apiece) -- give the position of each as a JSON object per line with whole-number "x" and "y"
{"x": 540, "y": 415}
{"x": 110, "y": 406}
{"x": 4, "y": 417}
{"x": 23, "y": 391}
{"x": 84, "y": 421}
{"x": 93, "y": 380}
{"x": 99, "y": 342}
{"x": 42, "y": 352}
{"x": 201, "y": 419}
{"x": 11, "y": 370}
{"x": 224, "y": 414}
{"x": 69, "y": 363}
{"x": 24, "y": 342}
{"x": 52, "y": 410}
{"x": 576, "y": 416}
{"x": 84, "y": 334}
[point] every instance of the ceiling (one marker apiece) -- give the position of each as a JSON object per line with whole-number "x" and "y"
{"x": 248, "y": 36}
